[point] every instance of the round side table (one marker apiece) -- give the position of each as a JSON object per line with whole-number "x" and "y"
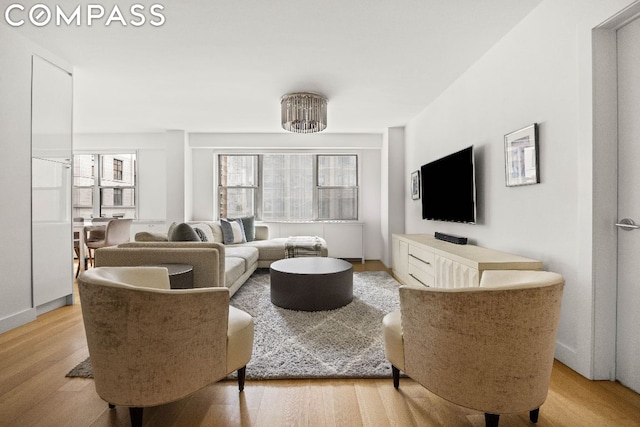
{"x": 180, "y": 275}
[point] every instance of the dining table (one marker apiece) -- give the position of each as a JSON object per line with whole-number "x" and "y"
{"x": 83, "y": 228}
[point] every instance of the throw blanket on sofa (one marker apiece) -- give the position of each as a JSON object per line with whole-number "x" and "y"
{"x": 299, "y": 246}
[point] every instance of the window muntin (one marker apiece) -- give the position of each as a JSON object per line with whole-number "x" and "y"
{"x": 288, "y": 187}
{"x": 104, "y": 185}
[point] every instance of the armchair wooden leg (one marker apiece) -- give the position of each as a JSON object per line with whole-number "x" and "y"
{"x": 241, "y": 375}
{"x": 491, "y": 420}
{"x": 136, "y": 417}
{"x": 533, "y": 415}
{"x": 396, "y": 376}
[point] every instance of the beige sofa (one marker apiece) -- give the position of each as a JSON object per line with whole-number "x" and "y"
{"x": 214, "y": 263}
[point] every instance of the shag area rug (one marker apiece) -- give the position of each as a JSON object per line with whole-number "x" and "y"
{"x": 342, "y": 343}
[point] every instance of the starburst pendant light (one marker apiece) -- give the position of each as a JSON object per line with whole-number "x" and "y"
{"x": 304, "y": 112}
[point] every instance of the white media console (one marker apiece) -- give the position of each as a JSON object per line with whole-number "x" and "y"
{"x": 420, "y": 259}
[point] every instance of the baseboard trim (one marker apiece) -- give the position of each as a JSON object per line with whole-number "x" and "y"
{"x": 569, "y": 357}
{"x": 52, "y": 305}
{"x": 18, "y": 319}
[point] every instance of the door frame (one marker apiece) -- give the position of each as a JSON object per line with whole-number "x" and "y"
{"x": 605, "y": 201}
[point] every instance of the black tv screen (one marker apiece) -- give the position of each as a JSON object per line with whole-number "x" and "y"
{"x": 448, "y": 188}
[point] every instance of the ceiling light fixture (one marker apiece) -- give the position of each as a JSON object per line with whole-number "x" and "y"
{"x": 304, "y": 112}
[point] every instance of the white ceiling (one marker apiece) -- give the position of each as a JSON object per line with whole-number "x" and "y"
{"x": 222, "y": 65}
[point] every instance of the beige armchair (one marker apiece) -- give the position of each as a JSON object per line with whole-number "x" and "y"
{"x": 488, "y": 348}
{"x": 150, "y": 345}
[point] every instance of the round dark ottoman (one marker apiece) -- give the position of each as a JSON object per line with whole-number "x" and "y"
{"x": 311, "y": 283}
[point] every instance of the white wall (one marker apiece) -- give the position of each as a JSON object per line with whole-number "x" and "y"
{"x": 539, "y": 72}
{"x": 367, "y": 146}
{"x": 16, "y": 306}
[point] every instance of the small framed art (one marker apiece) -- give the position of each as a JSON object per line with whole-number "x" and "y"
{"x": 415, "y": 185}
{"x": 521, "y": 157}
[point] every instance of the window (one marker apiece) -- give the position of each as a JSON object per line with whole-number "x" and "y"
{"x": 104, "y": 185}
{"x": 117, "y": 169}
{"x": 238, "y": 185}
{"x": 117, "y": 197}
{"x": 288, "y": 187}
{"x": 337, "y": 187}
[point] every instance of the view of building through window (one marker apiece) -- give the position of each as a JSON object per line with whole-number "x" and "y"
{"x": 104, "y": 185}
{"x": 238, "y": 184}
{"x": 288, "y": 187}
{"x": 337, "y": 187}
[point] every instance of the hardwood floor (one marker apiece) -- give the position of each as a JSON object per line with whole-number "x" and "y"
{"x": 35, "y": 392}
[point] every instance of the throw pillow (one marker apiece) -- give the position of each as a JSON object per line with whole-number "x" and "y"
{"x": 170, "y": 230}
{"x": 183, "y": 233}
{"x": 232, "y": 231}
{"x": 201, "y": 235}
{"x": 248, "y": 223}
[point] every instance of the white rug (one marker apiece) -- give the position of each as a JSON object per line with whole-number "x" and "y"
{"x": 342, "y": 343}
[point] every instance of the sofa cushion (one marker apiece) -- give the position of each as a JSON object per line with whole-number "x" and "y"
{"x": 269, "y": 250}
{"x": 393, "y": 344}
{"x": 204, "y": 231}
{"x": 183, "y": 233}
{"x": 262, "y": 232}
{"x": 232, "y": 231}
{"x": 248, "y": 254}
{"x": 147, "y": 236}
{"x": 239, "y": 339}
{"x": 233, "y": 268}
{"x": 217, "y": 231}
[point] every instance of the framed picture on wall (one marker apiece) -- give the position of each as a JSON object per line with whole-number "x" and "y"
{"x": 521, "y": 157}
{"x": 415, "y": 185}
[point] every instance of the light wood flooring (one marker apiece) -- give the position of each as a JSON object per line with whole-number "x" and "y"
{"x": 34, "y": 391}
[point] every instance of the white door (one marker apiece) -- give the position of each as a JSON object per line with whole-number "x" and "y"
{"x": 628, "y": 313}
{"x": 51, "y": 141}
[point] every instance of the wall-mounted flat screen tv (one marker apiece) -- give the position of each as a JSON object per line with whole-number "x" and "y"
{"x": 448, "y": 188}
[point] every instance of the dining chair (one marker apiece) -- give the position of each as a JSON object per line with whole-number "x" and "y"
{"x": 76, "y": 243}
{"x": 116, "y": 231}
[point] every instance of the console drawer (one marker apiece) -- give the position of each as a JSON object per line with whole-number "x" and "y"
{"x": 421, "y": 259}
{"x": 418, "y": 276}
